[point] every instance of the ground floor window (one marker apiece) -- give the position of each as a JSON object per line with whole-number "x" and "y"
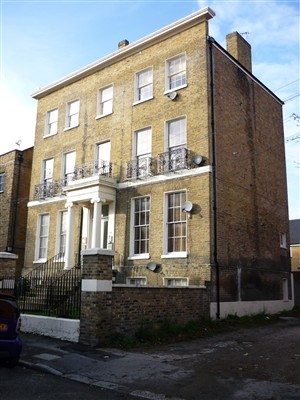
{"x": 176, "y": 223}
{"x": 43, "y": 236}
{"x": 141, "y": 225}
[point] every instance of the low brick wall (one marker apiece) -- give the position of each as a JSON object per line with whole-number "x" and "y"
{"x": 108, "y": 310}
{"x": 8, "y": 263}
{"x": 135, "y": 307}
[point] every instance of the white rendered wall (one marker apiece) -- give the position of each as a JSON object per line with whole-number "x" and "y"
{"x": 58, "y": 328}
{"x": 241, "y": 308}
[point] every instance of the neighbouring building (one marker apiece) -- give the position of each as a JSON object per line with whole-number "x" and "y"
{"x": 295, "y": 244}
{"x": 15, "y": 173}
{"x": 170, "y": 152}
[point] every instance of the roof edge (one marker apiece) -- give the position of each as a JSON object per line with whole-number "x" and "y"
{"x": 178, "y": 26}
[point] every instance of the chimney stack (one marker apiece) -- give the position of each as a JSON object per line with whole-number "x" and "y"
{"x": 123, "y": 43}
{"x": 240, "y": 49}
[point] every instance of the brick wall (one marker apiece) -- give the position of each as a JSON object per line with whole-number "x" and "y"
{"x": 13, "y": 202}
{"x": 123, "y": 310}
{"x": 251, "y": 184}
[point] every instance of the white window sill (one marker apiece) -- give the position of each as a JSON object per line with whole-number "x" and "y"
{"x": 167, "y": 91}
{"x": 71, "y": 127}
{"x": 142, "y": 101}
{"x": 102, "y": 116}
{"x": 40, "y": 261}
{"x": 145, "y": 256}
{"x": 182, "y": 254}
{"x": 46, "y": 136}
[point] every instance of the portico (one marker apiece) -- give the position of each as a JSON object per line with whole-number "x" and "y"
{"x": 96, "y": 196}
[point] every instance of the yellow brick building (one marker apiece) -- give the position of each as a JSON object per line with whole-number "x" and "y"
{"x": 160, "y": 151}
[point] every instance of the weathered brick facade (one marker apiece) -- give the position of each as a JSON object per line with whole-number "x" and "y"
{"x": 15, "y": 167}
{"x": 237, "y": 189}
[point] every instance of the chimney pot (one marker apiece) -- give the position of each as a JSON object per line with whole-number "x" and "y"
{"x": 123, "y": 43}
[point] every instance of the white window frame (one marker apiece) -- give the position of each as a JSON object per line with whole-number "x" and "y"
{"x": 39, "y": 236}
{"x": 173, "y": 281}
{"x": 66, "y": 174}
{"x": 174, "y": 151}
{"x": 181, "y": 143}
{"x": 2, "y": 181}
{"x": 138, "y": 87}
{"x": 142, "y": 155}
{"x": 51, "y": 123}
{"x": 136, "y": 281}
{"x": 62, "y": 214}
{"x": 103, "y": 161}
{"x": 167, "y": 253}
{"x": 133, "y": 255}
{"x": 169, "y": 74}
{"x": 102, "y": 103}
{"x": 45, "y": 177}
{"x": 71, "y": 115}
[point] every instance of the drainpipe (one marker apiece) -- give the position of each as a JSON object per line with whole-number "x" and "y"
{"x": 20, "y": 159}
{"x": 214, "y": 178}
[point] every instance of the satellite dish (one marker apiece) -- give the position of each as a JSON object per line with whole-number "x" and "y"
{"x": 152, "y": 266}
{"x": 172, "y": 95}
{"x": 187, "y": 207}
{"x": 197, "y": 160}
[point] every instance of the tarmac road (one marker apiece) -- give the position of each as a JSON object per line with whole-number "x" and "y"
{"x": 251, "y": 364}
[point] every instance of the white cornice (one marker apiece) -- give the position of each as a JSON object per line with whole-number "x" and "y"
{"x": 156, "y": 37}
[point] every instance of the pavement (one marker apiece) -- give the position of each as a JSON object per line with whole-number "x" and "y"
{"x": 109, "y": 369}
{"x": 248, "y": 364}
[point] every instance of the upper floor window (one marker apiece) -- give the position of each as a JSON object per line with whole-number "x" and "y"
{"x": 105, "y": 101}
{"x": 69, "y": 166}
{"x": 103, "y": 158}
{"x": 144, "y": 85}
{"x": 141, "y": 225}
{"x": 51, "y": 122}
{"x": 175, "y": 223}
{"x": 176, "y": 72}
{"x": 143, "y": 143}
{"x": 72, "y": 114}
{"x": 2, "y": 179}
{"x": 47, "y": 174}
{"x": 176, "y": 133}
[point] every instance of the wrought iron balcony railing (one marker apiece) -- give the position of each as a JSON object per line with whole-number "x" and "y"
{"x": 55, "y": 188}
{"x": 140, "y": 168}
{"x": 92, "y": 168}
{"x": 173, "y": 160}
{"x": 48, "y": 189}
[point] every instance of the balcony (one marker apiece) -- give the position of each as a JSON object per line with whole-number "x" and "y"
{"x": 56, "y": 188}
{"x": 49, "y": 189}
{"x": 173, "y": 160}
{"x": 140, "y": 168}
{"x": 92, "y": 168}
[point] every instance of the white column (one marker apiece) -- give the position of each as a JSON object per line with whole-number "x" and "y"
{"x": 69, "y": 255}
{"x": 96, "y": 228}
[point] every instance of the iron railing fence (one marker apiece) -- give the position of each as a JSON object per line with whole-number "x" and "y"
{"x": 52, "y": 267}
{"x": 47, "y": 290}
{"x": 57, "y": 296}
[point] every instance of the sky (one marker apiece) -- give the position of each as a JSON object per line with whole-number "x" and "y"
{"x": 42, "y": 41}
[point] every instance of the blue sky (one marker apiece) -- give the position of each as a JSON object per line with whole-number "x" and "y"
{"x": 42, "y": 41}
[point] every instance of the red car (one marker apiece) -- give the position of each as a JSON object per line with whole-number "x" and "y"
{"x": 10, "y": 325}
